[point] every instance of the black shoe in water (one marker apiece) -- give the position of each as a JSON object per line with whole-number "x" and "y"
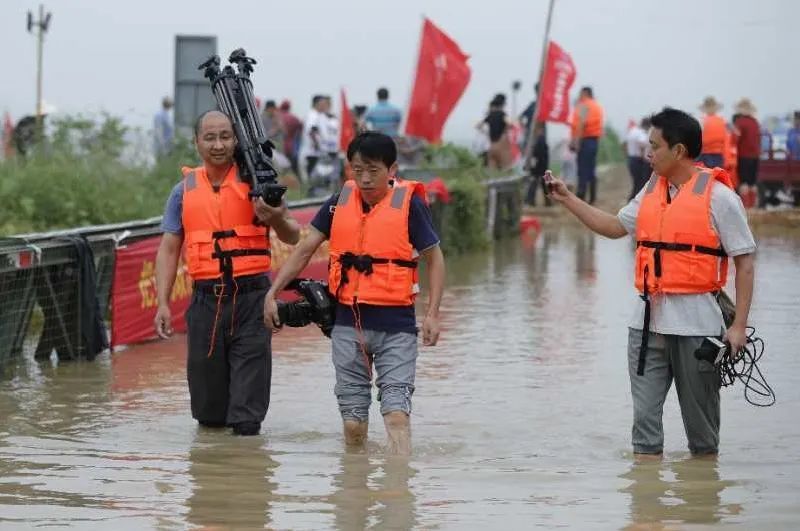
{"x": 247, "y": 428}
{"x": 211, "y": 424}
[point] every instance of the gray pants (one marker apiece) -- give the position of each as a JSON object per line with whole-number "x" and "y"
{"x": 696, "y": 382}
{"x": 394, "y": 356}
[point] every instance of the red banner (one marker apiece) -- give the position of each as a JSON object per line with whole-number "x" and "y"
{"x": 348, "y": 130}
{"x": 559, "y": 75}
{"x": 133, "y": 295}
{"x": 441, "y": 78}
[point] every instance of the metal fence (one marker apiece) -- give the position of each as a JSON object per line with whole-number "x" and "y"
{"x": 40, "y": 278}
{"x": 40, "y": 286}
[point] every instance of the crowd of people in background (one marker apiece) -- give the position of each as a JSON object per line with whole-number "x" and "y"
{"x": 310, "y": 147}
{"x": 738, "y": 145}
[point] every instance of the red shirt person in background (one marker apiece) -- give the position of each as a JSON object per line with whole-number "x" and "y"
{"x": 293, "y": 127}
{"x": 749, "y": 150}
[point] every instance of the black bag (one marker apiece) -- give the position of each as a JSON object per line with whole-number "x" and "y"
{"x": 727, "y": 306}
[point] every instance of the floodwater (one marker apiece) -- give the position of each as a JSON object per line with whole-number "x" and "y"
{"x": 522, "y": 420}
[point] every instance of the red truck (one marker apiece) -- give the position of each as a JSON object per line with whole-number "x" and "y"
{"x": 777, "y": 171}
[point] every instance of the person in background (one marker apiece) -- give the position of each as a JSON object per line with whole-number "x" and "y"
{"x": 274, "y": 128}
{"x": 636, "y": 145}
{"x": 748, "y": 151}
{"x": 731, "y": 159}
{"x": 311, "y": 146}
{"x": 569, "y": 165}
{"x": 715, "y": 134}
{"x": 359, "y": 117}
{"x": 526, "y": 120}
{"x": 163, "y": 129}
{"x": 498, "y": 123}
{"x": 793, "y": 139}
{"x": 541, "y": 162}
{"x": 383, "y": 116}
{"x": 587, "y": 128}
{"x": 293, "y": 129}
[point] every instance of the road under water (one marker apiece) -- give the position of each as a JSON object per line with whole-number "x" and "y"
{"x": 521, "y": 419}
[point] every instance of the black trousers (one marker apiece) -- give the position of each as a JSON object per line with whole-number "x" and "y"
{"x": 640, "y": 174}
{"x": 232, "y": 384}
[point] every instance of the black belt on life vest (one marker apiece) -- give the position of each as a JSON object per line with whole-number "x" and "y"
{"x": 226, "y": 257}
{"x": 363, "y": 263}
{"x": 662, "y": 246}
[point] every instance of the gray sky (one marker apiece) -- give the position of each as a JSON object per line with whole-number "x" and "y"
{"x": 638, "y": 55}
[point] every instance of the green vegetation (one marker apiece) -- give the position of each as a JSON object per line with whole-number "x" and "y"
{"x": 463, "y": 220}
{"x": 85, "y": 174}
{"x": 610, "y": 149}
{"x": 88, "y": 173}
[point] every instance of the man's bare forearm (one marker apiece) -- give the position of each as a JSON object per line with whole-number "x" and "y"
{"x": 436, "y": 273}
{"x": 166, "y": 269}
{"x": 602, "y": 223}
{"x": 287, "y": 230}
{"x": 744, "y": 288}
{"x": 296, "y": 261}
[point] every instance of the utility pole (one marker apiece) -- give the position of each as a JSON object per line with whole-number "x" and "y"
{"x": 41, "y": 26}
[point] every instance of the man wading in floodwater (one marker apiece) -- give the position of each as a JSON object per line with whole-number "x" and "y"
{"x": 378, "y": 228}
{"x": 229, "y": 365}
{"x": 687, "y": 221}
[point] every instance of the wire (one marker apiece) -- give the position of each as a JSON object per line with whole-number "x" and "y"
{"x": 745, "y": 369}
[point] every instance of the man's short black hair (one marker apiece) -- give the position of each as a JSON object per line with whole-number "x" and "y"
{"x": 383, "y": 94}
{"x": 270, "y": 104}
{"x": 678, "y": 127}
{"x": 316, "y": 99}
{"x": 372, "y": 145}
{"x": 199, "y": 121}
{"x": 588, "y": 91}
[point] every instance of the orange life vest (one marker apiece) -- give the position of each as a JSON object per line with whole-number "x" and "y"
{"x": 678, "y": 250}
{"x": 715, "y": 134}
{"x": 590, "y": 113}
{"x": 218, "y": 227}
{"x": 372, "y": 260}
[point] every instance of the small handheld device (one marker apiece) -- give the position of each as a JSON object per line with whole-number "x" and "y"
{"x": 712, "y": 350}
{"x": 548, "y": 181}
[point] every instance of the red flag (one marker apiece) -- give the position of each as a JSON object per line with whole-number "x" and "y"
{"x": 347, "y": 132}
{"x": 559, "y": 75}
{"x": 442, "y": 75}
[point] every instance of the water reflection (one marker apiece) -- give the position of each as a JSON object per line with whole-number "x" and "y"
{"x": 692, "y": 495}
{"x": 373, "y": 492}
{"x": 585, "y": 266}
{"x": 232, "y": 484}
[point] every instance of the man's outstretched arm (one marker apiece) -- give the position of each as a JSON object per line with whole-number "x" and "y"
{"x": 602, "y": 223}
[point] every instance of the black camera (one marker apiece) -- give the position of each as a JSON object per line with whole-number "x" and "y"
{"x": 316, "y": 305}
{"x": 712, "y": 350}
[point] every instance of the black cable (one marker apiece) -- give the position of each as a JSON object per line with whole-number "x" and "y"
{"x": 745, "y": 369}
